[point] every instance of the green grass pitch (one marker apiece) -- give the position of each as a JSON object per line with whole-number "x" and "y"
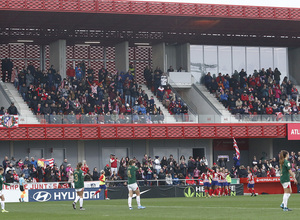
{"x": 240, "y": 207}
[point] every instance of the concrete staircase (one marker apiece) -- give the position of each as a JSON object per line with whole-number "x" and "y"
{"x": 168, "y": 117}
{"x": 226, "y": 115}
{"x": 26, "y": 116}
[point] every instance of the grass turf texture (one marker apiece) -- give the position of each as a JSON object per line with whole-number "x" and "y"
{"x": 240, "y": 207}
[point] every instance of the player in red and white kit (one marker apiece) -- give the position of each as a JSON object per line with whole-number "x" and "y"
{"x": 251, "y": 183}
{"x": 215, "y": 181}
{"x": 223, "y": 182}
{"x": 206, "y": 181}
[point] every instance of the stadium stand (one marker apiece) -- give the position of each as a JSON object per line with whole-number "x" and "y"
{"x": 258, "y": 94}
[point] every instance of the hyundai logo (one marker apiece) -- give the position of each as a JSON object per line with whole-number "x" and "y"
{"x": 42, "y": 196}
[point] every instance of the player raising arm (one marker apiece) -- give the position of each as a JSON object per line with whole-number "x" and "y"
{"x": 1, "y": 193}
{"x": 79, "y": 186}
{"x": 286, "y": 172}
{"x": 132, "y": 185}
{"x": 102, "y": 185}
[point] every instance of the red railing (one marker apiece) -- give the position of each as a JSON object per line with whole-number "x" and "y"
{"x": 143, "y": 131}
{"x": 153, "y": 8}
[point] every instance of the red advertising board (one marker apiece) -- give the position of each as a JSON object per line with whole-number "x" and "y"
{"x": 293, "y": 131}
{"x": 267, "y": 185}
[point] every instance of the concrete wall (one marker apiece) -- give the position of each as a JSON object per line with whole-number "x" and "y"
{"x": 294, "y": 64}
{"x": 158, "y": 56}
{"x": 183, "y": 56}
{"x": 178, "y": 56}
{"x": 261, "y": 148}
{"x": 96, "y": 152}
{"x": 58, "y": 56}
{"x": 284, "y": 144}
{"x": 4, "y": 102}
{"x": 122, "y": 56}
{"x": 171, "y": 57}
{"x": 196, "y": 101}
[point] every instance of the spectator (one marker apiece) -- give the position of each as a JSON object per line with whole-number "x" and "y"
{"x": 12, "y": 110}
{"x": 162, "y": 177}
{"x": 18, "y": 169}
{"x": 33, "y": 162}
{"x": 9, "y": 167}
{"x": 96, "y": 174}
{"x": 169, "y": 180}
{"x": 157, "y": 165}
{"x": 9, "y": 177}
{"x": 63, "y": 174}
{"x": 5, "y": 162}
{"x": 107, "y": 171}
{"x": 190, "y": 180}
{"x": 175, "y": 180}
{"x": 65, "y": 164}
{"x": 243, "y": 172}
{"x": 113, "y": 163}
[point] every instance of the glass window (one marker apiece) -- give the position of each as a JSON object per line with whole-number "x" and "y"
{"x": 266, "y": 57}
{"x": 238, "y": 58}
{"x": 252, "y": 59}
{"x": 224, "y": 54}
{"x": 197, "y": 67}
{"x": 280, "y": 61}
{"x": 211, "y": 59}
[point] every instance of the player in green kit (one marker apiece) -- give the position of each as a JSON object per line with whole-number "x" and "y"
{"x": 79, "y": 186}
{"x": 1, "y": 193}
{"x": 132, "y": 185}
{"x": 286, "y": 172}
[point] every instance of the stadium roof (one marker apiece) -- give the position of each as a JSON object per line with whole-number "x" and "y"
{"x": 111, "y": 22}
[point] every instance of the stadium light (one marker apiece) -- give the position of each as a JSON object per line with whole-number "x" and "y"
{"x": 24, "y": 41}
{"x": 92, "y": 42}
{"x": 83, "y": 45}
{"x": 142, "y": 44}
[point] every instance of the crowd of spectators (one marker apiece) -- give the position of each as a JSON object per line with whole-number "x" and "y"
{"x": 38, "y": 172}
{"x": 157, "y": 81}
{"x": 114, "y": 97}
{"x": 11, "y": 110}
{"x": 260, "y": 93}
{"x": 86, "y": 96}
{"x": 151, "y": 171}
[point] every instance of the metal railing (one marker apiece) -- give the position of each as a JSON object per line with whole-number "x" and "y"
{"x": 157, "y": 119}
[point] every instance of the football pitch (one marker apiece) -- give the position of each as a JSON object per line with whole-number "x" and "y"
{"x": 240, "y": 207}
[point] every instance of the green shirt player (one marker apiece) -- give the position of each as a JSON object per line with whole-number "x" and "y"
{"x": 1, "y": 193}
{"x": 132, "y": 185}
{"x": 286, "y": 172}
{"x": 79, "y": 186}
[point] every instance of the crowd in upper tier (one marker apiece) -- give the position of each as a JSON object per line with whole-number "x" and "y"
{"x": 105, "y": 97}
{"x": 260, "y": 93}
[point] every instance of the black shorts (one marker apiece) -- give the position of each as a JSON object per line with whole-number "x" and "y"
{"x": 21, "y": 188}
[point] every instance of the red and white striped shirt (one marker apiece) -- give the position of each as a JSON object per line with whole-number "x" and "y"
{"x": 250, "y": 178}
